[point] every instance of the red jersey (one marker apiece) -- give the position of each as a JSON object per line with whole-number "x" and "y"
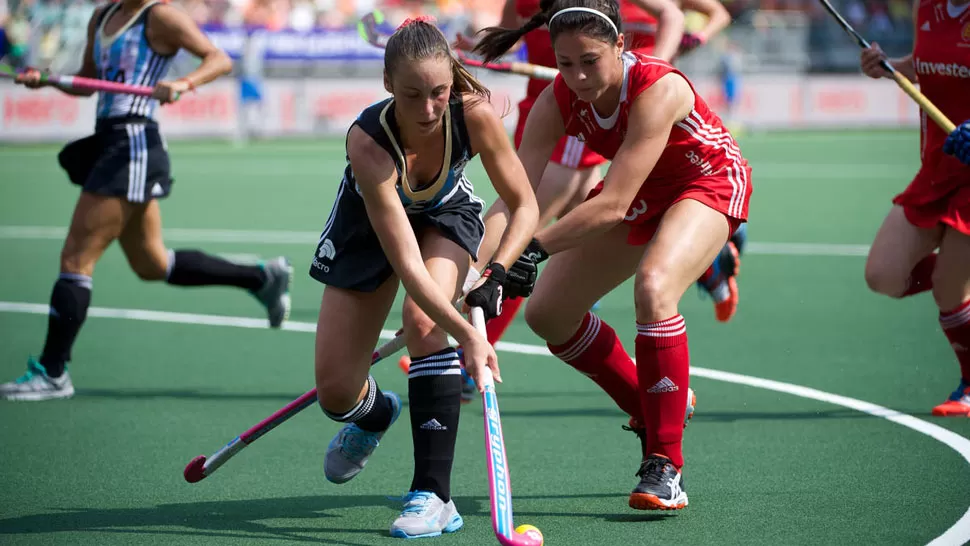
{"x": 941, "y": 58}
{"x": 538, "y": 46}
{"x": 699, "y": 147}
{"x": 639, "y": 27}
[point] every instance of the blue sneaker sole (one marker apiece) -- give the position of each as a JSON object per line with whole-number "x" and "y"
{"x": 454, "y": 524}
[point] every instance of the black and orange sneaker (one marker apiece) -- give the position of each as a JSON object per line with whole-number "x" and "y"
{"x": 661, "y": 486}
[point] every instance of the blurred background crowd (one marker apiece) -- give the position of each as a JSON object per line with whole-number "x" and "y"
{"x": 775, "y": 35}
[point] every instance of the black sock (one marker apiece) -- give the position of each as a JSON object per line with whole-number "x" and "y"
{"x": 434, "y": 395}
{"x": 373, "y": 413}
{"x": 195, "y": 268}
{"x": 69, "y": 307}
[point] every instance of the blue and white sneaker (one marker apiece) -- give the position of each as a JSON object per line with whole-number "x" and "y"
{"x": 275, "y": 292}
{"x": 36, "y": 385}
{"x": 352, "y": 446}
{"x": 425, "y": 515}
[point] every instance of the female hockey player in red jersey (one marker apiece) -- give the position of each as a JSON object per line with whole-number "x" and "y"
{"x": 675, "y": 191}
{"x": 924, "y": 242}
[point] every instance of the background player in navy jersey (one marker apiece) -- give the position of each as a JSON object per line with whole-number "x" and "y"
{"x": 123, "y": 169}
{"x": 406, "y": 214}
{"x": 924, "y": 242}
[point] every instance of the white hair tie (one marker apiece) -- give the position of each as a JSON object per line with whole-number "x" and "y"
{"x": 585, "y": 10}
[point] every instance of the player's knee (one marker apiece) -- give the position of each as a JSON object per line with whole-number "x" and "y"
{"x": 653, "y": 294}
{"x": 884, "y": 280}
{"x": 541, "y": 316}
{"x": 421, "y": 333}
{"x": 73, "y": 260}
{"x": 336, "y": 392}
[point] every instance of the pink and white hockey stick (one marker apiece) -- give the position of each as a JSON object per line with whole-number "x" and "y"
{"x": 89, "y": 84}
{"x": 369, "y": 29}
{"x": 499, "y": 482}
{"x": 201, "y": 467}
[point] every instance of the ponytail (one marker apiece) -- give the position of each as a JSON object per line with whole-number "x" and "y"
{"x": 497, "y": 40}
{"x": 465, "y": 82}
{"x": 599, "y": 19}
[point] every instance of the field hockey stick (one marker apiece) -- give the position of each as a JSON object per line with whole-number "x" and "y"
{"x": 200, "y": 467}
{"x": 499, "y": 482}
{"x": 87, "y": 84}
{"x": 369, "y": 29}
{"x": 907, "y": 86}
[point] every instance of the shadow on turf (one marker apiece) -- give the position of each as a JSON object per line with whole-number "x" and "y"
{"x": 242, "y": 519}
{"x": 189, "y": 394}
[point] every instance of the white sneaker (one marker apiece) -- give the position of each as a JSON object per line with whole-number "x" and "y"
{"x": 352, "y": 446}
{"x": 35, "y": 385}
{"x": 426, "y": 515}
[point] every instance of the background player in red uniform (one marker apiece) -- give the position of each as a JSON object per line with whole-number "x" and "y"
{"x": 933, "y": 212}
{"x": 641, "y": 28}
{"x": 676, "y": 189}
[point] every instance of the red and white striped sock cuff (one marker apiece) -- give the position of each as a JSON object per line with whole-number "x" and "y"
{"x": 664, "y": 333}
{"x": 581, "y": 340}
{"x": 957, "y": 317}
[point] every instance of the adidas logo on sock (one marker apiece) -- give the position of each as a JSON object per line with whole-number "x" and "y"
{"x": 664, "y": 385}
{"x": 433, "y": 424}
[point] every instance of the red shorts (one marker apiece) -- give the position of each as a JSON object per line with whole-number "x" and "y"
{"x": 728, "y": 197}
{"x": 569, "y": 152}
{"x": 926, "y": 208}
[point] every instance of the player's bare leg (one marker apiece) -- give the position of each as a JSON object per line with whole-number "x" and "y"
{"x": 348, "y": 328}
{"x": 97, "y": 221}
{"x": 951, "y": 290}
{"x": 144, "y": 246}
{"x": 688, "y": 238}
{"x": 900, "y": 260}
{"x": 434, "y": 399}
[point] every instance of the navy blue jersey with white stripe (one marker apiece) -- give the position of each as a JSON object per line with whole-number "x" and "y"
{"x": 127, "y": 57}
{"x": 378, "y": 122}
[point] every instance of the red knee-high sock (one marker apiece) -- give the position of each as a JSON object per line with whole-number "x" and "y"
{"x": 497, "y": 326}
{"x": 596, "y": 352}
{"x": 663, "y": 369}
{"x": 921, "y": 278}
{"x": 956, "y": 326}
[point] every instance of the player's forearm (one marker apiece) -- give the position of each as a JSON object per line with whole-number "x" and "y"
{"x": 214, "y": 65}
{"x": 496, "y": 220}
{"x": 592, "y": 218}
{"x": 715, "y": 24}
{"x": 905, "y": 66}
{"x": 425, "y": 292}
{"x": 521, "y": 227}
{"x": 670, "y": 30}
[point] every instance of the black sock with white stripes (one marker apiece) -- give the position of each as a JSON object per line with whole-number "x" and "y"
{"x": 372, "y": 414}
{"x": 195, "y": 268}
{"x": 434, "y": 395}
{"x": 69, "y": 307}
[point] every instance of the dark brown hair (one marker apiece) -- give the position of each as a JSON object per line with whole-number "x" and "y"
{"x": 419, "y": 39}
{"x": 496, "y": 40}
